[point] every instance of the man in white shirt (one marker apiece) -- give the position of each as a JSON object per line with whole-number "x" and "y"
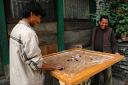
{"x": 26, "y": 61}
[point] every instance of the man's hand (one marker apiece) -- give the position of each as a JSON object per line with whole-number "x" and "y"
{"x": 51, "y": 67}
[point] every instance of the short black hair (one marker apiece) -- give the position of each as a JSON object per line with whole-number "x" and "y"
{"x": 104, "y": 17}
{"x": 33, "y": 7}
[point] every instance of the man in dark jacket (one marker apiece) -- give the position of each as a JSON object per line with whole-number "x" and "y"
{"x": 103, "y": 40}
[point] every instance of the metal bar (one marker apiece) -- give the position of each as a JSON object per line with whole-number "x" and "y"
{"x": 3, "y": 34}
{"x": 60, "y": 25}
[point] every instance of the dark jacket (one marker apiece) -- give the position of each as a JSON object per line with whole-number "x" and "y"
{"x": 109, "y": 42}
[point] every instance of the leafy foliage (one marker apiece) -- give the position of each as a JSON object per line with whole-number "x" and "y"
{"x": 122, "y": 19}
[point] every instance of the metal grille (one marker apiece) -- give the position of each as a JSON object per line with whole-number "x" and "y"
{"x": 16, "y": 7}
{"x": 48, "y": 5}
{"x": 76, "y": 9}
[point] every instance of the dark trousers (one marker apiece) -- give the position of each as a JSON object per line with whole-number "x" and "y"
{"x": 49, "y": 80}
{"x": 105, "y": 79}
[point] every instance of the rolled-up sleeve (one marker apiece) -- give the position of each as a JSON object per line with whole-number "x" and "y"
{"x": 32, "y": 51}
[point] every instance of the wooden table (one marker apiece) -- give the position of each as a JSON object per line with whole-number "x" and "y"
{"x": 80, "y": 64}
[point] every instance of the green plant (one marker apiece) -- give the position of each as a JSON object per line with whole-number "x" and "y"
{"x": 122, "y": 19}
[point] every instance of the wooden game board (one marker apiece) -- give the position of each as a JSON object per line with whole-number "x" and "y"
{"x": 80, "y": 64}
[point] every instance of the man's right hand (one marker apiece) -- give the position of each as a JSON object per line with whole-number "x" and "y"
{"x": 51, "y": 67}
